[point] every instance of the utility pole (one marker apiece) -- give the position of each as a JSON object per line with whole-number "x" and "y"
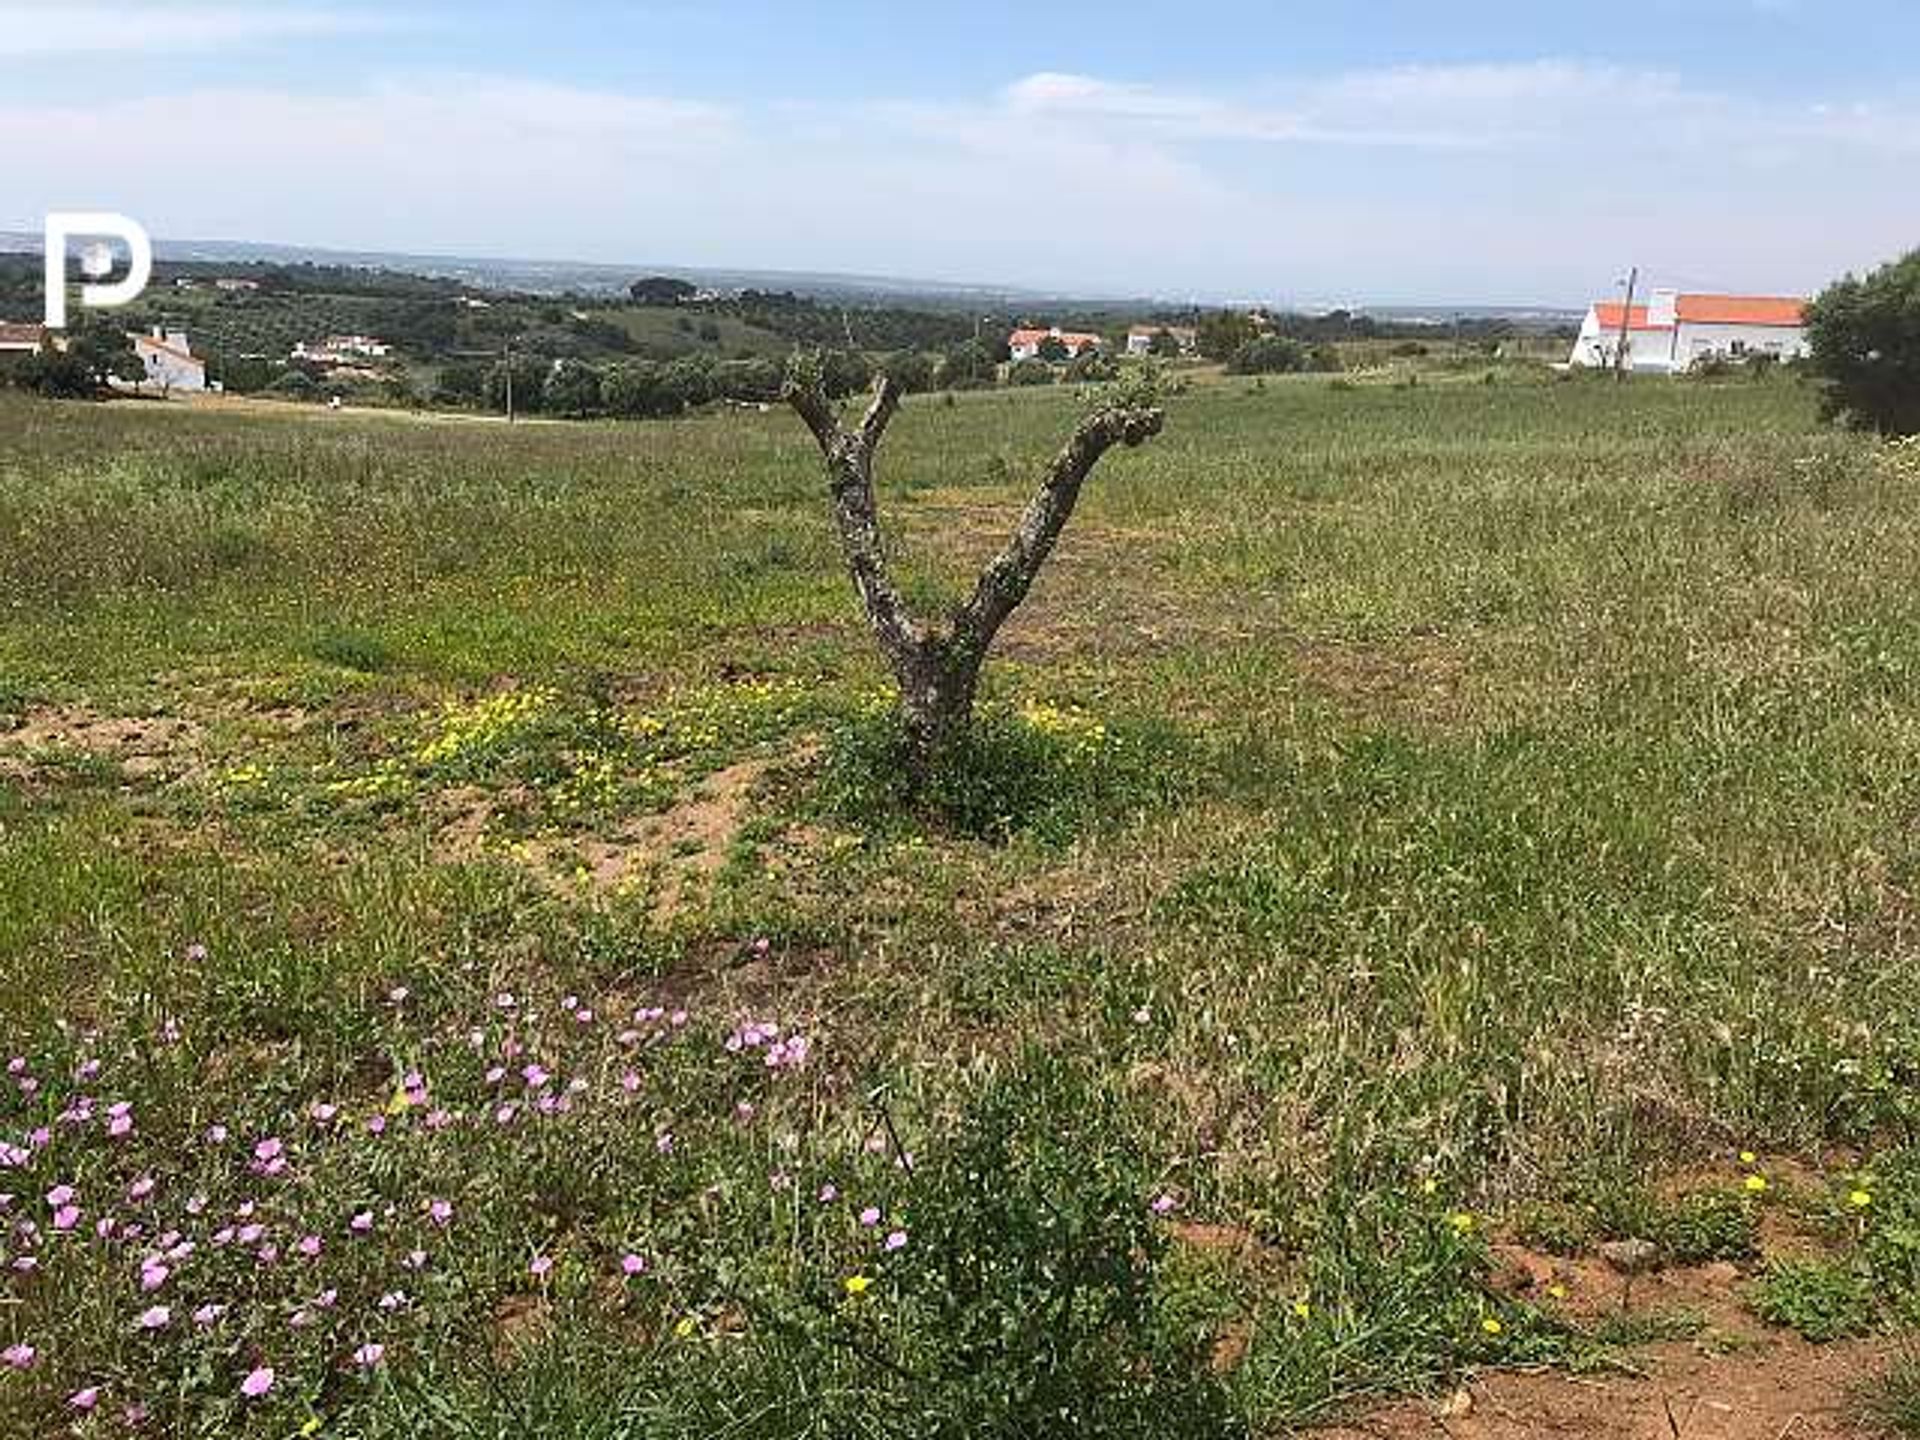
{"x": 1626, "y": 323}
{"x": 509, "y": 364}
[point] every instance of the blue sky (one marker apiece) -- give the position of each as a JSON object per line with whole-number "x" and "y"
{"x": 1384, "y": 150}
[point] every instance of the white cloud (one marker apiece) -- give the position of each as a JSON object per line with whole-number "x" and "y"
{"x": 83, "y": 27}
{"x": 1532, "y": 182}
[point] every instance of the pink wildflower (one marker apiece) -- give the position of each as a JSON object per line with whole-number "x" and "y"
{"x": 258, "y": 1382}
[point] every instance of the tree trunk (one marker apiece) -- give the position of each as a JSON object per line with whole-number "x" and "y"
{"x": 938, "y": 668}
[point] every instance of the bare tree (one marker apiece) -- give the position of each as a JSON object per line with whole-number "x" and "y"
{"x": 938, "y": 665}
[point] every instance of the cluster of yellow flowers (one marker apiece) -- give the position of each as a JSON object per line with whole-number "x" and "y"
{"x": 388, "y": 780}
{"x": 240, "y": 777}
{"x": 479, "y": 725}
{"x": 1070, "y": 723}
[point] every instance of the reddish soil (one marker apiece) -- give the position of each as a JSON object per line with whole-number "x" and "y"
{"x": 1779, "y": 1388}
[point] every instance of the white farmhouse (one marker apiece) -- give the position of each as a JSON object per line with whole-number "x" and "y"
{"x": 169, "y": 360}
{"x": 1025, "y": 344}
{"x": 1674, "y": 332}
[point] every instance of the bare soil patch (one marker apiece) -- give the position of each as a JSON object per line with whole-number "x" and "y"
{"x": 675, "y": 853}
{"x": 143, "y": 746}
{"x": 1780, "y": 1388}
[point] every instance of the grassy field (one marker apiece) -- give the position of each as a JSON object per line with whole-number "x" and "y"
{"x": 1409, "y": 821}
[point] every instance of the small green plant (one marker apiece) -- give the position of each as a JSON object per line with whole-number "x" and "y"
{"x": 1819, "y": 1299}
{"x": 1891, "y": 1403}
{"x": 352, "y": 650}
{"x": 1038, "y": 770}
{"x": 1707, "y": 1225}
{"x": 1558, "y": 1229}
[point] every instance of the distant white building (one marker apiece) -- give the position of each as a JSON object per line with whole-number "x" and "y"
{"x": 340, "y": 349}
{"x": 1673, "y": 332}
{"x": 169, "y": 360}
{"x": 1025, "y": 344}
{"x": 234, "y": 284}
{"x": 1140, "y": 338}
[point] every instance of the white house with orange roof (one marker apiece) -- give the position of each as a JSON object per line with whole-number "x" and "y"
{"x": 1673, "y": 332}
{"x": 1025, "y": 344}
{"x": 169, "y": 360}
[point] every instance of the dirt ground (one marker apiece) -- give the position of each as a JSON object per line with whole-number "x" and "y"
{"x": 1776, "y": 1388}
{"x": 1737, "y": 1379}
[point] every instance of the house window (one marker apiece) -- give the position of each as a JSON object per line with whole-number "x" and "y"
{"x": 1739, "y": 347}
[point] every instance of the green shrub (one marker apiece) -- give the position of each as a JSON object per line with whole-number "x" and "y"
{"x": 352, "y": 650}
{"x": 1864, "y": 338}
{"x": 1707, "y": 1225}
{"x": 1269, "y": 355}
{"x": 1041, "y": 771}
{"x": 1818, "y": 1298}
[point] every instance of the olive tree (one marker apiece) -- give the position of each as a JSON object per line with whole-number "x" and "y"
{"x": 937, "y": 663}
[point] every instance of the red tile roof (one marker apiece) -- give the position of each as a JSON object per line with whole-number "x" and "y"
{"x": 1073, "y": 340}
{"x": 147, "y": 342}
{"x": 1609, "y": 314}
{"x": 1742, "y": 310}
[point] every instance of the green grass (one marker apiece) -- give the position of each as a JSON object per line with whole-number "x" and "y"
{"x": 1393, "y": 803}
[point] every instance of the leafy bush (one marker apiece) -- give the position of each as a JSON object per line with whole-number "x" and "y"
{"x": 572, "y": 389}
{"x": 1819, "y": 1299}
{"x": 1092, "y": 367}
{"x": 1028, "y": 1302}
{"x": 1707, "y": 1225}
{"x": 1030, "y": 372}
{"x": 1864, "y": 336}
{"x": 1269, "y": 355}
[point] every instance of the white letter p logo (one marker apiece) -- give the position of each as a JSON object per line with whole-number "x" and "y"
{"x": 62, "y": 225}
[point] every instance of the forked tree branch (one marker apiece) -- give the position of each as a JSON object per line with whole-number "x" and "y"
{"x": 938, "y": 671}
{"x": 849, "y": 457}
{"x": 1006, "y": 580}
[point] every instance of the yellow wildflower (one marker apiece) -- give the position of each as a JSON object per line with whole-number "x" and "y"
{"x": 857, "y": 1285}
{"x": 1302, "y": 1310}
{"x": 312, "y": 1427}
{"x": 685, "y": 1327}
{"x": 1558, "y": 1292}
{"x": 1462, "y": 1222}
{"x": 1491, "y": 1325}
{"x": 1756, "y": 1184}
{"x": 1860, "y": 1199}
